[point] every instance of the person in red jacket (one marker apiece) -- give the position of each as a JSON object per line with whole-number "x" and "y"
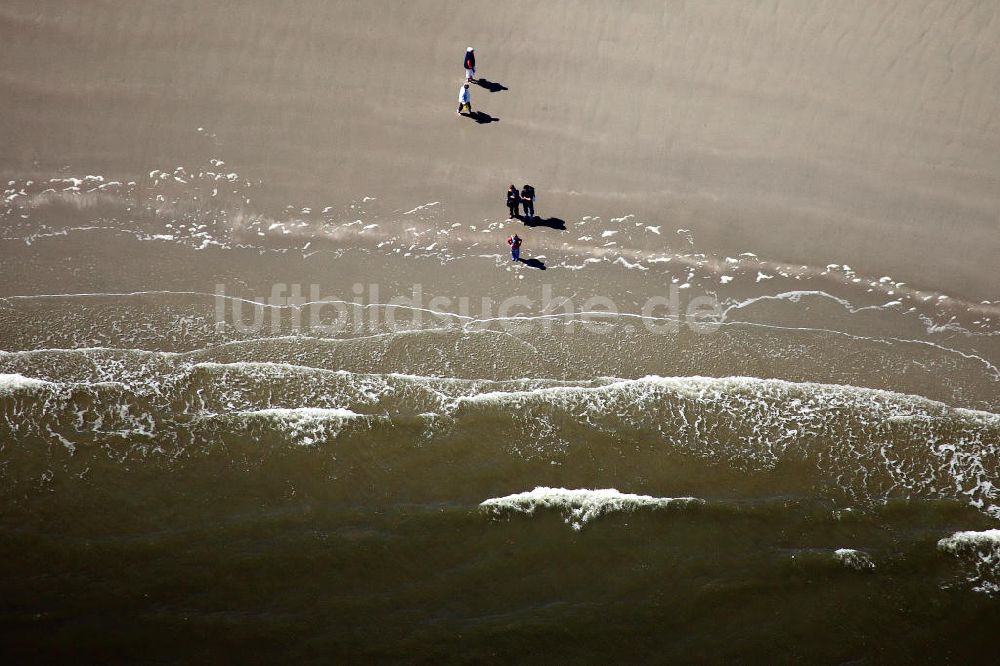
{"x": 470, "y": 64}
{"x": 515, "y": 247}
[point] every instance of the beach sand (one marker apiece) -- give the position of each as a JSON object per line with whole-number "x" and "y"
{"x": 817, "y": 133}
{"x": 193, "y": 468}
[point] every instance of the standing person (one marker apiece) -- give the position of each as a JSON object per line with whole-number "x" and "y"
{"x": 470, "y": 64}
{"x": 464, "y": 99}
{"x": 528, "y": 201}
{"x": 515, "y": 247}
{"x": 513, "y": 201}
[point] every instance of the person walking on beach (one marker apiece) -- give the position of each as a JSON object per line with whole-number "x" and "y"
{"x": 513, "y": 201}
{"x": 464, "y": 99}
{"x": 515, "y": 247}
{"x": 528, "y": 201}
{"x": 470, "y": 65}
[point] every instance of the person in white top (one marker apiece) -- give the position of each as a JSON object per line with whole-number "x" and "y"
{"x": 464, "y": 99}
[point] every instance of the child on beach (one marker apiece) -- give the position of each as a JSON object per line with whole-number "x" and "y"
{"x": 515, "y": 247}
{"x": 513, "y": 201}
{"x": 464, "y": 99}
{"x": 470, "y": 64}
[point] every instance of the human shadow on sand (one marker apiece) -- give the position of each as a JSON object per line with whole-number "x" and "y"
{"x": 550, "y": 222}
{"x": 481, "y": 118}
{"x": 492, "y": 86}
{"x": 534, "y": 263}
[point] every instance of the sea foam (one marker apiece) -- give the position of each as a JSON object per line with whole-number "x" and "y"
{"x": 871, "y": 444}
{"x": 579, "y": 506}
{"x": 854, "y": 559}
{"x": 980, "y": 551}
{"x": 10, "y": 383}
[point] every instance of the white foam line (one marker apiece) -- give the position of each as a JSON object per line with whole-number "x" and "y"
{"x": 698, "y": 382}
{"x": 270, "y": 365}
{"x": 967, "y": 355}
{"x": 307, "y": 338}
{"x": 888, "y": 341}
{"x": 960, "y": 540}
{"x": 296, "y": 306}
{"x": 237, "y": 343}
{"x": 580, "y": 506}
{"x": 573, "y": 316}
{"x": 798, "y": 270}
{"x": 373, "y": 336}
{"x": 60, "y": 232}
{"x": 16, "y": 382}
{"x": 796, "y": 296}
{"x": 317, "y": 413}
{"x": 792, "y": 296}
{"x": 555, "y": 387}
{"x": 467, "y": 327}
{"x": 112, "y": 294}
{"x": 308, "y": 369}
{"x": 467, "y": 318}
{"x": 88, "y": 350}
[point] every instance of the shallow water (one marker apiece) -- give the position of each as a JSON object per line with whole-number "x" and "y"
{"x": 282, "y": 494}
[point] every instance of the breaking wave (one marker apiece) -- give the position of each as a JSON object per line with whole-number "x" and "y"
{"x": 581, "y": 506}
{"x": 870, "y": 445}
{"x": 854, "y": 559}
{"x": 980, "y": 551}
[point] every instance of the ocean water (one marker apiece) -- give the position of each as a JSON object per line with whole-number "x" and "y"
{"x": 504, "y": 489}
{"x": 236, "y": 425}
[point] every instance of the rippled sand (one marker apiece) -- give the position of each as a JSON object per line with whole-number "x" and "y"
{"x": 271, "y": 387}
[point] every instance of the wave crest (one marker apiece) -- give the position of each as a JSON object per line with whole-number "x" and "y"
{"x": 579, "y": 506}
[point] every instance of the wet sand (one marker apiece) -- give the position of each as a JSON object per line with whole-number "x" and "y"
{"x": 813, "y": 134}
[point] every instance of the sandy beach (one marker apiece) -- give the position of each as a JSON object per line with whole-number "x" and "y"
{"x": 216, "y": 213}
{"x": 812, "y": 134}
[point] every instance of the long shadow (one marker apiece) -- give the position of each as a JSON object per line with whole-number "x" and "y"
{"x": 534, "y": 263}
{"x": 492, "y": 86}
{"x": 550, "y": 222}
{"x": 481, "y": 118}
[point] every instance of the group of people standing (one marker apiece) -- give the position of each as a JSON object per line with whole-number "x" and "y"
{"x": 526, "y": 199}
{"x": 523, "y": 198}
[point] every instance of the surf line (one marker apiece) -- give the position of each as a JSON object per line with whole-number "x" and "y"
{"x": 529, "y": 387}
{"x": 972, "y": 357}
{"x": 797, "y": 295}
{"x": 470, "y": 321}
